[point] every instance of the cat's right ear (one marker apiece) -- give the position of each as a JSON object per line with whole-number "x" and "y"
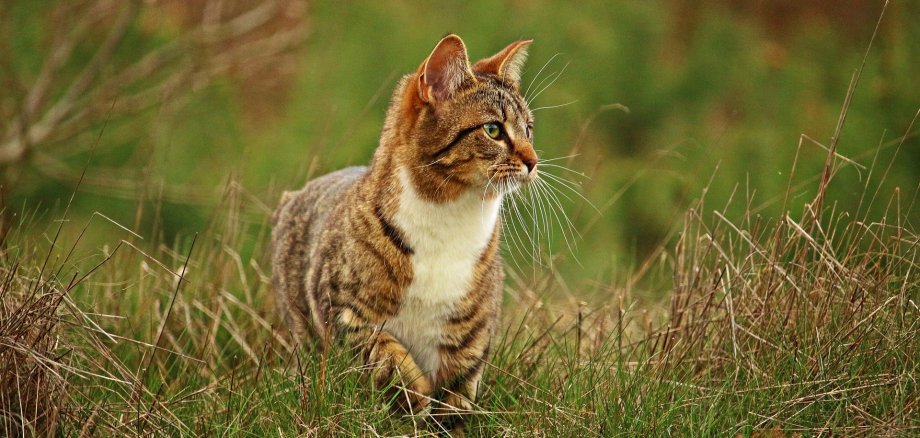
{"x": 446, "y": 68}
{"x": 509, "y": 63}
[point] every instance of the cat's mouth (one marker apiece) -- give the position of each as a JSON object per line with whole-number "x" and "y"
{"x": 506, "y": 178}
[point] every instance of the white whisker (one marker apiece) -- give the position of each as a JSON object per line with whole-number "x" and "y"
{"x": 556, "y": 166}
{"x": 541, "y": 161}
{"x": 485, "y": 192}
{"x": 520, "y": 220}
{"x": 552, "y": 106}
{"x": 534, "y": 224}
{"x": 541, "y": 224}
{"x": 429, "y": 164}
{"x": 559, "y": 213}
{"x": 533, "y": 233}
{"x": 526, "y": 92}
{"x": 549, "y": 182}
{"x": 552, "y": 213}
{"x": 555, "y": 78}
{"x": 437, "y": 189}
{"x": 532, "y": 213}
{"x": 571, "y": 186}
{"x": 545, "y": 216}
{"x": 516, "y": 244}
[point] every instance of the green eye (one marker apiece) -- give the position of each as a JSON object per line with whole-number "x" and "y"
{"x": 492, "y": 130}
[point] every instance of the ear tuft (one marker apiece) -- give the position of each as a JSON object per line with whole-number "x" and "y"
{"x": 508, "y": 63}
{"x": 444, "y": 70}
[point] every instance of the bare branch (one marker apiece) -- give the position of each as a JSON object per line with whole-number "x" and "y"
{"x": 195, "y": 56}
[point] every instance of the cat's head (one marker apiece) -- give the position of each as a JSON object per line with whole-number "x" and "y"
{"x": 462, "y": 127}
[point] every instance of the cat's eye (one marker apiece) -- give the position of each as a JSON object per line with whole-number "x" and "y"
{"x": 529, "y": 132}
{"x": 492, "y": 130}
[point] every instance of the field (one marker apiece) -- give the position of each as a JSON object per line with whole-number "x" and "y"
{"x": 731, "y": 246}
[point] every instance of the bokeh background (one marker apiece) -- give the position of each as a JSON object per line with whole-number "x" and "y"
{"x": 657, "y": 101}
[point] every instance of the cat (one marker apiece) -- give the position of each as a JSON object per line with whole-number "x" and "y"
{"x": 401, "y": 259}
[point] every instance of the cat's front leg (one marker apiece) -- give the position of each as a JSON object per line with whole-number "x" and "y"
{"x": 458, "y": 397}
{"x": 462, "y": 366}
{"x": 388, "y": 359}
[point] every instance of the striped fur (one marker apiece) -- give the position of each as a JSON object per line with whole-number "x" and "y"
{"x": 400, "y": 259}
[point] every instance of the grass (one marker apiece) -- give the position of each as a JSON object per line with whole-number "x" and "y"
{"x": 801, "y": 322}
{"x": 773, "y": 325}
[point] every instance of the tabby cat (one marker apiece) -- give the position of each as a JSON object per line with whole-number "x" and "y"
{"x": 400, "y": 259}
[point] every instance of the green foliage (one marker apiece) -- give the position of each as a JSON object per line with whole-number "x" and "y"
{"x": 709, "y": 96}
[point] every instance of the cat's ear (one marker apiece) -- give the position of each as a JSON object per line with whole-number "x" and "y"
{"x": 508, "y": 64}
{"x": 444, "y": 71}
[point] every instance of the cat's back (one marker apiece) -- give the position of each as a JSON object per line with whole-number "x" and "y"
{"x": 298, "y": 221}
{"x": 311, "y": 204}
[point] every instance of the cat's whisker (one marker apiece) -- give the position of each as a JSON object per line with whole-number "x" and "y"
{"x": 527, "y": 92}
{"x": 516, "y": 243}
{"x": 532, "y": 214}
{"x": 573, "y": 230}
{"x": 555, "y": 78}
{"x": 440, "y": 186}
{"x": 539, "y": 195}
{"x": 549, "y": 183}
{"x": 552, "y": 106}
{"x": 547, "y": 160}
{"x": 523, "y": 227}
{"x": 572, "y": 187}
{"x": 537, "y": 224}
{"x": 512, "y": 244}
{"x": 514, "y": 196}
{"x": 557, "y": 166}
{"x": 559, "y": 213}
{"x": 525, "y": 195}
{"x": 485, "y": 191}
{"x": 527, "y": 97}
{"x": 542, "y": 206}
{"x": 514, "y": 207}
{"x": 545, "y": 218}
{"x": 531, "y": 237}
{"x": 429, "y": 164}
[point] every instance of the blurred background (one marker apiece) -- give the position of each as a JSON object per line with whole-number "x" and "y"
{"x": 167, "y": 104}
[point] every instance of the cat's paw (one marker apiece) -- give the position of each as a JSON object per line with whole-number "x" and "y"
{"x": 414, "y": 397}
{"x": 448, "y": 415}
{"x": 394, "y": 368}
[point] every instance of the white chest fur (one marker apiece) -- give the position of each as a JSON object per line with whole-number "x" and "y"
{"x": 447, "y": 240}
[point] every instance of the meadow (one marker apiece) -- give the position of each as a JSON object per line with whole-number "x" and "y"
{"x": 731, "y": 247}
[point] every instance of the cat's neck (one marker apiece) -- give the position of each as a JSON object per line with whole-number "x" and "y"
{"x": 461, "y": 227}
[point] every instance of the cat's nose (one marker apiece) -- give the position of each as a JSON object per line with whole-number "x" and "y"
{"x": 528, "y": 156}
{"x": 530, "y": 162}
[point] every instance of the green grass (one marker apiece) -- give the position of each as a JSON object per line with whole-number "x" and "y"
{"x": 790, "y": 325}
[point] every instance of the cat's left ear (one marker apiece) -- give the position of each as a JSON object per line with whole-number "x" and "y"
{"x": 446, "y": 68}
{"x": 508, "y": 64}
